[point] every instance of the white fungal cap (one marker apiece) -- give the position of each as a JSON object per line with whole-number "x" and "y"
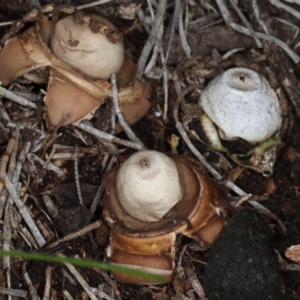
{"x": 148, "y": 185}
{"x": 91, "y": 53}
{"x": 243, "y": 105}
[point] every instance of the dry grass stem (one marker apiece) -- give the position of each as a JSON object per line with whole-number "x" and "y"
{"x": 28, "y": 238}
{"x": 285, "y": 7}
{"x": 47, "y": 288}
{"x": 72, "y": 236}
{"x": 32, "y": 290}
{"x": 108, "y": 137}
{"x": 52, "y": 209}
{"x": 151, "y": 39}
{"x": 49, "y": 166}
{"x": 182, "y": 31}
{"x": 119, "y": 114}
{"x": 195, "y": 283}
{"x": 81, "y": 281}
{"x": 16, "y": 98}
{"x": 13, "y": 292}
{"x": 9, "y": 23}
{"x": 110, "y": 281}
{"x": 67, "y": 295}
{"x": 77, "y": 180}
{"x": 247, "y": 24}
{"x": 227, "y": 17}
{"x": 92, "y": 4}
{"x": 24, "y": 212}
{"x": 7, "y": 236}
{"x": 260, "y": 21}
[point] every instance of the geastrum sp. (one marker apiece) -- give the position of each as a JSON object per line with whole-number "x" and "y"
{"x": 150, "y": 199}
{"x": 81, "y": 51}
{"x": 240, "y": 104}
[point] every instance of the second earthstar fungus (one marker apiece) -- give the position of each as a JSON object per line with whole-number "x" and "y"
{"x": 75, "y": 55}
{"x": 146, "y": 240}
{"x": 239, "y": 104}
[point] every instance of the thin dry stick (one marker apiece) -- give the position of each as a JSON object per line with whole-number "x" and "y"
{"x": 213, "y": 171}
{"x": 52, "y": 209}
{"x": 151, "y": 10}
{"x": 12, "y": 171}
{"x": 195, "y": 283}
{"x": 51, "y": 141}
{"x": 20, "y": 162}
{"x": 5, "y": 159}
{"x": 247, "y": 24}
{"x": 185, "y": 46}
{"x": 165, "y": 88}
{"x": 72, "y": 236}
{"x": 172, "y": 31}
{"x": 287, "y": 8}
{"x": 110, "y": 281}
{"x": 67, "y": 156}
{"x": 100, "y": 190}
{"x": 23, "y": 231}
{"x": 32, "y": 290}
{"x": 260, "y": 21}
{"x": 294, "y": 27}
{"x": 13, "y": 157}
{"x": 3, "y": 113}
{"x": 227, "y": 17}
{"x": 77, "y": 180}
{"x": 151, "y": 39}
{"x": 118, "y": 112}
{"x": 48, "y": 274}
{"x": 7, "y": 228}
{"x": 95, "y": 3}
{"x": 291, "y": 267}
{"x": 49, "y": 167}
{"x": 9, "y": 23}
{"x": 48, "y": 234}
{"x": 51, "y": 136}
{"x": 67, "y": 295}
{"x": 6, "y": 235}
{"x": 101, "y": 294}
{"x": 242, "y": 200}
{"x": 16, "y": 98}
{"x": 155, "y": 52}
{"x": 81, "y": 280}
{"x": 24, "y": 212}
{"x": 13, "y": 292}
{"x": 108, "y": 137}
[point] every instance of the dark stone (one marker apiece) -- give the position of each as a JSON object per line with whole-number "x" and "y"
{"x": 241, "y": 265}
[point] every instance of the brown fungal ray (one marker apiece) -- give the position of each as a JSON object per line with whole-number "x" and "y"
{"x": 69, "y": 91}
{"x": 64, "y": 97}
{"x": 196, "y": 217}
{"x": 20, "y": 55}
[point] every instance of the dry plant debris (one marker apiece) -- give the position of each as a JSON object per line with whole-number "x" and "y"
{"x": 52, "y": 176}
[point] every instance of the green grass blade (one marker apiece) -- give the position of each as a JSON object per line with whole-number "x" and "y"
{"x": 83, "y": 263}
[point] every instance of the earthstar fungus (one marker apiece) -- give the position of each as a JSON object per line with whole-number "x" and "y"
{"x": 242, "y": 105}
{"x": 82, "y": 51}
{"x": 239, "y": 104}
{"x": 146, "y": 241}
